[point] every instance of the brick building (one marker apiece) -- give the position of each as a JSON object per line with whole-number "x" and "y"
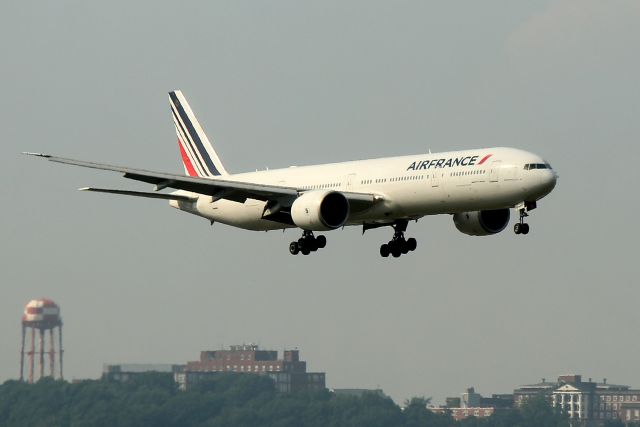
{"x": 124, "y": 372}
{"x": 289, "y": 373}
{"x": 588, "y": 401}
{"x": 472, "y": 404}
{"x": 630, "y": 412}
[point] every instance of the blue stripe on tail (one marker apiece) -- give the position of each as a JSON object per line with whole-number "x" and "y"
{"x": 192, "y": 134}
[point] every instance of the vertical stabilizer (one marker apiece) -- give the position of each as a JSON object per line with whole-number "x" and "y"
{"x": 198, "y": 156}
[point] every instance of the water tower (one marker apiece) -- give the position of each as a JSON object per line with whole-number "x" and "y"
{"x": 41, "y": 316}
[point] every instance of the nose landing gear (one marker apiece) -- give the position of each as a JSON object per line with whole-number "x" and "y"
{"x": 398, "y": 244}
{"x": 307, "y": 243}
{"x": 522, "y": 227}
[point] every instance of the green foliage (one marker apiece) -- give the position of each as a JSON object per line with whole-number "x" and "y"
{"x": 416, "y": 414}
{"x": 537, "y": 412}
{"x": 230, "y": 400}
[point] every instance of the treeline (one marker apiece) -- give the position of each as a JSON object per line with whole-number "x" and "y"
{"x": 228, "y": 400}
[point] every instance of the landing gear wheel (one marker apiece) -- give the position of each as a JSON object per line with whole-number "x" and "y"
{"x": 294, "y": 248}
{"x": 412, "y": 244}
{"x": 384, "y": 250}
{"x": 307, "y": 243}
{"x": 522, "y": 227}
{"x": 398, "y": 244}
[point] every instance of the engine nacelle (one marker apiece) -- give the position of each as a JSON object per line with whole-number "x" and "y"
{"x": 320, "y": 210}
{"x": 482, "y": 223}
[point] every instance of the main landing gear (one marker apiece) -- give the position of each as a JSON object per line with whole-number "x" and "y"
{"x": 307, "y": 243}
{"x": 398, "y": 245}
{"x": 522, "y": 227}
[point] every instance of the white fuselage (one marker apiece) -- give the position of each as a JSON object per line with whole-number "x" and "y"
{"x": 408, "y": 187}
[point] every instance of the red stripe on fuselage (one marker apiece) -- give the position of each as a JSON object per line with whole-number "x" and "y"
{"x": 484, "y": 159}
{"x": 185, "y": 159}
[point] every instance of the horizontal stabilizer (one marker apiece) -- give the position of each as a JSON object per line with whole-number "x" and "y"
{"x": 142, "y": 194}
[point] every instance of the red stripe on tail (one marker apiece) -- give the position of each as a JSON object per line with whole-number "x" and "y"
{"x": 185, "y": 159}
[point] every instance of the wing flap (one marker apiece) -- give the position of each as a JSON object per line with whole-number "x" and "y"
{"x": 164, "y": 196}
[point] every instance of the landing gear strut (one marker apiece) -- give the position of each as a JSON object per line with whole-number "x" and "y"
{"x": 522, "y": 227}
{"x": 307, "y": 243}
{"x": 398, "y": 245}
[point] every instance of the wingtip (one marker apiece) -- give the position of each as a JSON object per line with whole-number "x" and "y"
{"x": 28, "y": 153}
{"x": 84, "y": 189}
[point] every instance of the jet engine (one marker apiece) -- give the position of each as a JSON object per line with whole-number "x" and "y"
{"x": 481, "y": 223}
{"x": 320, "y": 210}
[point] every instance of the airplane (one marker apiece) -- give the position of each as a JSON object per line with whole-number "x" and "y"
{"x": 477, "y": 187}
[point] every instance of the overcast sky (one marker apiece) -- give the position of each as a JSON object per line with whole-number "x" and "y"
{"x": 288, "y": 82}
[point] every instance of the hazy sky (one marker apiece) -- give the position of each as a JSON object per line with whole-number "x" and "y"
{"x": 288, "y": 82}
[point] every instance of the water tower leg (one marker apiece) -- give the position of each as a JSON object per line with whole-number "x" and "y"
{"x": 41, "y": 353}
{"x": 32, "y": 353}
{"x": 60, "y": 349}
{"x": 52, "y": 354}
{"x": 22, "y": 355}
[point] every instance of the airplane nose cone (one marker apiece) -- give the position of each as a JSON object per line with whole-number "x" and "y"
{"x": 548, "y": 182}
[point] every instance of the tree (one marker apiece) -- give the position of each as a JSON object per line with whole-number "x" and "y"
{"x": 538, "y": 412}
{"x": 416, "y": 414}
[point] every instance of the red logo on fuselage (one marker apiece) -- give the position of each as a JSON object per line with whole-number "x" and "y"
{"x": 447, "y": 163}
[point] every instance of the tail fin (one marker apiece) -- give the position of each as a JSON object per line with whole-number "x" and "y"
{"x": 198, "y": 156}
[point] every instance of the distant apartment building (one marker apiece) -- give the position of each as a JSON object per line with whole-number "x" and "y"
{"x": 588, "y": 401}
{"x": 472, "y": 404}
{"x": 126, "y": 371}
{"x": 289, "y": 373}
{"x": 630, "y": 412}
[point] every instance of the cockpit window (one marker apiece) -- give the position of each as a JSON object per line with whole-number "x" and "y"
{"x": 530, "y": 166}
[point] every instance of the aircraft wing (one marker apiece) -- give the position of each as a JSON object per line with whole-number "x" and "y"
{"x": 215, "y": 187}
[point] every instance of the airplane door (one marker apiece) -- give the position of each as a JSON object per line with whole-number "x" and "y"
{"x": 436, "y": 178}
{"x": 347, "y": 185}
{"x": 437, "y": 186}
{"x": 494, "y": 174}
{"x": 509, "y": 173}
